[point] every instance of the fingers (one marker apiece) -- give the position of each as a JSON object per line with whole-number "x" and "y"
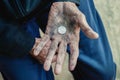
{"x": 74, "y": 52}
{"x": 42, "y": 59}
{"x": 45, "y": 49}
{"x": 40, "y": 46}
{"x": 42, "y": 55}
{"x": 86, "y": 28}
{"x": 50, "y": 55}
{"x": 60, "y": 57}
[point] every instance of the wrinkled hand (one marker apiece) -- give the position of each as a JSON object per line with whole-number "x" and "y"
{"x": 64, "y": 14}
{"x": 41, "y": 57}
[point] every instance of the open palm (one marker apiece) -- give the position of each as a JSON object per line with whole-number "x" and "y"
{"x": 67, "y": 16}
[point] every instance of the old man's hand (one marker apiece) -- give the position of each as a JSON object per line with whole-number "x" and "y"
{"x": 64, "y": 24}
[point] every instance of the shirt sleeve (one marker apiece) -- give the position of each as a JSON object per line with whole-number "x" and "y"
{"x": 14, "y": 41}
{"x": 75, "y": 1}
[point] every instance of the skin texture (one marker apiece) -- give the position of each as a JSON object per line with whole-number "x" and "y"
{"x": 42, "y": 55}
{"x": 68, "y": 15}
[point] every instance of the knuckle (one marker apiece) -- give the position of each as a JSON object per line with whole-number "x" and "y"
{"x": 53, "y": 46}
{"x": 82, "y": 18}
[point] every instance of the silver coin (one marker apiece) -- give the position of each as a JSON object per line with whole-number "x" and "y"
{"x": 62, "y": 30}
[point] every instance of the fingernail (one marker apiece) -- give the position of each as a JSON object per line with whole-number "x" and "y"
{"x": 46, "y": 66}
{"x": 58, "y": 70}
{"x": 35, "y": 53}
{"x": 97, "y": 35}
{"x": 93, "y": 35}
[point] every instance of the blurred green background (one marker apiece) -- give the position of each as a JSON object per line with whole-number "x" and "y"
{"x": 110, "y": 13}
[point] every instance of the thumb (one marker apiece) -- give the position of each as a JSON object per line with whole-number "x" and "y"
{"x": 88, "y": 31}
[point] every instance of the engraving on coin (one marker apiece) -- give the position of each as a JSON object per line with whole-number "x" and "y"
{"x": 62, "y": 30}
